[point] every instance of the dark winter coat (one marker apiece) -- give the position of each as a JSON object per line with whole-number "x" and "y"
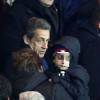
{"x": 89, "y": 37}
{"x": 73, "y": 10}
{"x": 25, "y": 81}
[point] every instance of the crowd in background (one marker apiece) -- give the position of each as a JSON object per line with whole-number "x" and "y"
{"x": 73, "y": 18}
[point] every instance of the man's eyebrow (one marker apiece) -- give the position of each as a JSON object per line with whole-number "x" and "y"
{"x": 44, "y": 38}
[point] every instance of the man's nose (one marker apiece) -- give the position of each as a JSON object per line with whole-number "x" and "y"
{"x": 45, "y": 45}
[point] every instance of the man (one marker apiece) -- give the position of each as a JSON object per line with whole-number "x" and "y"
{"x": 36, "y": 37}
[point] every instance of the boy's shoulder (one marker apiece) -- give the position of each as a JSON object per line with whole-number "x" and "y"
{"x": 80, "y": 73}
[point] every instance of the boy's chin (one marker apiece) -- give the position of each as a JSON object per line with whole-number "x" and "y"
{"x": 63, "y": 68}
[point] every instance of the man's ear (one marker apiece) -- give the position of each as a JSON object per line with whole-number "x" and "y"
{"x": 25, "y": 38}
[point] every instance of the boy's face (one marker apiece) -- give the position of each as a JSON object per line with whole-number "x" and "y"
{"x": 62, "y": 60}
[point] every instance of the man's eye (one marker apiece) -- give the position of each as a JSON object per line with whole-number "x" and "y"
{"x": 39, "y": 41}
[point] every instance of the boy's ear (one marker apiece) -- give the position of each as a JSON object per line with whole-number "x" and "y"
{"x": 25, "y": 38}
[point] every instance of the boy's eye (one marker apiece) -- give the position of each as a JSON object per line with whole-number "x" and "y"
{"x": 60, "y": 56}
{"x": 67, "y": 57}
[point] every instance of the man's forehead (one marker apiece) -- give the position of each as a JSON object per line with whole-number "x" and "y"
{"x": 42, "y": 33}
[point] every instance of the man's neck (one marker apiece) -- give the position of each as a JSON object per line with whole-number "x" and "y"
{"x": 45, "y": 5}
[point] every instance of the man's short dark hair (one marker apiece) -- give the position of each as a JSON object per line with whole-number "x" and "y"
{"x": 5, "y": 88}
{"x": 36, "y": 23}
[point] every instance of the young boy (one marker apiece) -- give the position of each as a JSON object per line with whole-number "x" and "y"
{"x": 70, "y": 79}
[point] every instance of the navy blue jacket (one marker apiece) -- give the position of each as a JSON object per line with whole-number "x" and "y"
{"x": 73, "y": 10}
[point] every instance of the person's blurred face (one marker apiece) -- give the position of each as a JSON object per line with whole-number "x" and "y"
{"x": 31, "y": 95}
{"x": 39, "y": 42}
{"x": 8, "y": 98}
{"x": 47, "y": 2}
{"x": 62, "y": 60}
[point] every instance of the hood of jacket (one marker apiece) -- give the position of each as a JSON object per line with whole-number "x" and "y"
{"x": 73, "y": 45}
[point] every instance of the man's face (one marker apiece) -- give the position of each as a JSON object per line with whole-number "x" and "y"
{"x": 62, "y": 60}
{"x": 39, "y": 43}
{"x": 47, "y": 2}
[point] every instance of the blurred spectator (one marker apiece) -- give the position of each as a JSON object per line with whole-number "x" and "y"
{"x": 31, "y": 95}
{"x": 10, "y": 2}
{"x": 71, "y": 11}
{"x": 4, "y": 8}
{"x": 89, "y": 36}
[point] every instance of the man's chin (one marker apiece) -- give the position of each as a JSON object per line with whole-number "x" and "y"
{"x": 41, "y": 55}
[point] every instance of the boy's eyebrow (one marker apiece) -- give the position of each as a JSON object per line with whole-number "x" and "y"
{"x": 62, "y": 52}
